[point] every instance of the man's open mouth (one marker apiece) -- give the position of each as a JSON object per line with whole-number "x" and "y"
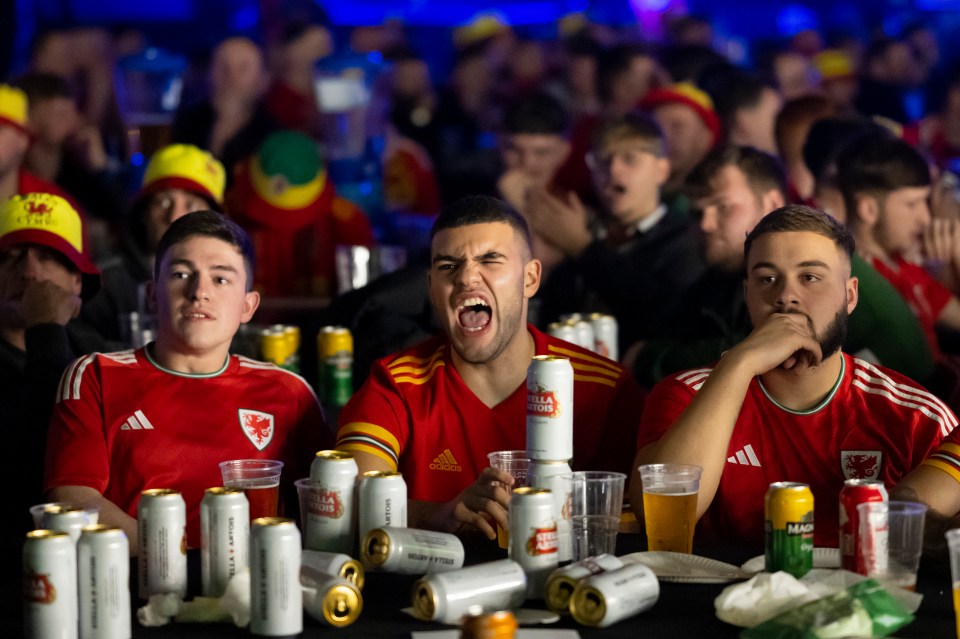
{"x": 473, "y": 314}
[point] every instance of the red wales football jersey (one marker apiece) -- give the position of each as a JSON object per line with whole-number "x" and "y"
{"x": 874, "y": 424}
{"x": 122, "y": 424}
{"x": 416, "y": 413}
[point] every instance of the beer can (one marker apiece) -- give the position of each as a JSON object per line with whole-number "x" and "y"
{"x": 489, "y": 625}
{"x": 335, "y": 359}
{"x": 276, "y": 599}
{"x": 606, "y": 334}
{"x": 563, "y": 581}
{"x": 548, "y": 474}
{"x": 788, "y": 528}
{"x": 224, "y": 538}
{"x": 49, "y": 585}
{"x": 533, "y": 536}
{"x": 333, "y": 601}
{"x": 874, "y": 537}
{"x": 292, "y": 335}
{"x": 273, "y": 345}
{"x": 103, "y": 571}
{"x": 162, "y": 534}
{"x": 445, "y": 597}
{"x": 571, "y": 318}
{"x": 409, "y": 551}
{"x": 564, "y": 331}
{"x": 604, "y": 599}
{"x": 585, "y": 337}
{"x": 854, "y": 493}
{"x": 550, "y": 408}
{"x": 331, "y": 519}
{"x": 383, "y": 501}
{"x": 67, "y": 518}
{"x": 316, "y": 564}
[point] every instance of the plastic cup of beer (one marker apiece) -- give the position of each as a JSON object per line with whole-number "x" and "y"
{"x": 595, "y": 503}
{"x": 517, "y": 463}
{"x": 953, "y": 543}
{"x": 670, "y": 505}
{"x": 892, "y": 556}
{"x": 260, "y": 481}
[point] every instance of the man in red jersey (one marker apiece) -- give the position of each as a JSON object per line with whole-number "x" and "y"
{"x": 434, "y": 411}
{"x": 165, "y": 415}
{"x": 786, "y": 404}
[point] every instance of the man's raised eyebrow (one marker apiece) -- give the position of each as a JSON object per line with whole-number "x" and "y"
{"x": 805, "y": 264}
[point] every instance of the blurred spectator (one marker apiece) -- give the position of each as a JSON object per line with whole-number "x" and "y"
{"x": 414, "y": 101}
{"x": 690, "y": 30}
{"x": 838, "y": 80}
{"x": 794, "y": 74}
{"x": 888, "y": 71}
{"x": 581, "y": 68}
{"x": 939, "y": 132}
{"x": 409, "y": 180}
{"x": 284, "y": 199}
{"x": 747, "y": 107}
{"x": 291, "y": 99}
{"x": 791, "y": 128}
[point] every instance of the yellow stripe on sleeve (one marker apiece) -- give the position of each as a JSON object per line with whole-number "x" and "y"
{"x": 944, "y": 466}
{"x": 599, "y": 380}
{"x": 605, "y": 363}
{"x": 367, "y": 448}
{"x": 370, "y": 430}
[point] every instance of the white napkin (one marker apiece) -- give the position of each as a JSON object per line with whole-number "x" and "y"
{"x": 160, "y": 609}
{"x": 763, "y": 597}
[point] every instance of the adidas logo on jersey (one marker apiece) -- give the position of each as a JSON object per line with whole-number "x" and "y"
{"x": 137, "y": 421}
{"x": 446, "y": 461}
{"x": 744, "y": 457}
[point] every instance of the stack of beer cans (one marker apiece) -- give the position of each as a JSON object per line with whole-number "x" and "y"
{"x": 597, "y": 332}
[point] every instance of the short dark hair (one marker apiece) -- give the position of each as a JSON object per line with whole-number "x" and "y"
{"x": 797, "y": 217}
{"x": 634, "y": 125}
{"x": 733, "y": 89}
{"x": 206, "y": 224}
{"x": 763, "y": 171}
{"x": 613, "y": 63}
{"x": 878, "y": 165}
{"x": 480, "y": 209}
{"x": 536, "y": 114}
{"x": 829, "y": 136}
{"x": 43, "y": 86}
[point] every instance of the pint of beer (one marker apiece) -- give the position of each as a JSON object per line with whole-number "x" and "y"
{"x": 259, "y": 479}
{"x": 670, "y": 505}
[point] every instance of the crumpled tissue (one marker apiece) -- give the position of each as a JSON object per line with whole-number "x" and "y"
{"x": 763, "y": 597}
{"x": 234, "y": 606}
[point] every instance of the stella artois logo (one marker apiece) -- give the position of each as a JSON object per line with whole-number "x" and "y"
{"x": 38, "y": 588}
{"x": 861, "y": 464}
{"x": 543, "y": 403}
{"x": 257, "y": 426}
{"x": 543, "y": 541}
{"x": 326, "y": 503}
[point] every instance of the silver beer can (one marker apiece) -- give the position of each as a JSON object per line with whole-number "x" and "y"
{"x": 445, "y": 597}
{"x": 276, "y": 599}
{"x": 585, "y": 337}
{"x": 534, "y": 543}
{"x": 162, "y": 534}
{"x": 605, "y": 599}
{"x": 564, "y": 331}
{"x": 550, "y": 408}
{"x": 548, "y": 474}
{"x": 67, "y": 518}
{"x": 410, "y": 551}
{"x": 333, "y": 601}
{"x": 383, "y": 501}
{"x": 224, "y": 537}
{"x": 567, "y": 318}
{"x": 563, "y": 581}
{"x": 331, "y": 520}
{"x": 49, "y": 585}
{"x": 317, "y": 564}
{"x": 103, "y": 571}
{"x": 606, "y": 332}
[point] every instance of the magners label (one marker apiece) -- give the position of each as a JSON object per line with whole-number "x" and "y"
{"x": 543, "y": 403}
{"x": 326, "y": 503}
{"x": 543, "y": 541}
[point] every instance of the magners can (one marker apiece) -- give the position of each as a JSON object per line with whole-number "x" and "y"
{"x": 331, "y": 518}
{"x": 550, "y": 408}
{"x": 854, "y": 493}
{"x": 335, "y": 360}
{"x": 534, "y": 542}
{"x": 445, "y": 597}
{"x": 49, "y": 585}
{"x": 224, "y": 538}
{"x": 788, "y": 528}
{"x": 411, "y": 551}
{"x": 162, "y": 534}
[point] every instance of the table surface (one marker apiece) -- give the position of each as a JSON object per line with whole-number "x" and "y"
{"x": 686, "y": 608}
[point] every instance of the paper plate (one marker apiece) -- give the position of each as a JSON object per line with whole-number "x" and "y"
{"x": 681, "y": 568}
{"x": 822, "y": 558}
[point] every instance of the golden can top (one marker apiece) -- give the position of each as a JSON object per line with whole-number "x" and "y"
{"x": 549, "y": 358}
{"x": 376, "y": 547}
{"x": 588, "y": 606}
{"x": 342, "y": 605}
{"x": 46, "y": 534}
{"x": 531, "y": 490}
{"x": 59, "y": 509}
{"x": 596, "y": 316}
{"x": 96, "y": 529}
{"x": 159, "y": 492}
{"x": 223, "y": 490}
{"x": 489, "y": 625}
{"x": 272, "y": 521}
{"x": 293, "y": 334}
{"x": 352, "y": 571}
{"x": 334, "y": 455}
{"x": 382, "y": 473}
{"x": 333, "y": 340}
{"x": 558, "y": 593}
{"x": 425, "y": 600}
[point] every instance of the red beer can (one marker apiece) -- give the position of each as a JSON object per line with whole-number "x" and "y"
{"x": 854, "y": 493}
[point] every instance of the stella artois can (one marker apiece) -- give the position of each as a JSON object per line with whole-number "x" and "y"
{"x": 854, "y": 493}
{"x": 606, "y": 598}
{"x": 585, "y": 337}
{"x": 49, "y": 585}
{"x": 383, "y": 501}
{"x": 445, "y": 597}
{"x": 605, "y": 335}
{"x": 562, "y": 581}
{"x": 564, "y": 331}
{"x": 162, "y": 533}
{"x": 103, "y": 570}
{"x": 410, "y": 551}
{"x": 316, "y": 564}
{"x": 331, "y": 523}
{"x": 67, "y": 518}
{"x": 224, "y": 537}
{"x": 276, "y": 600}
{"x": 333, "y": 601}
{"x": 788, "y": 508}
{"x": 548, "y": 474}
{"x": 533, "y": 536}
{"x": 550, "y": 408}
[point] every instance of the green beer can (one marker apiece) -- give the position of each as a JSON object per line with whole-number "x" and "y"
{"x": 335, "y": 354}
{"x": 788, "y": 528}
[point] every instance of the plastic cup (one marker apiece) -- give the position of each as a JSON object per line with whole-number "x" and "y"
{"x": 953, "y": 543}
{"x": 595, "y": 503}
{"x": 260, "y": 481}
{"x": 305, "y": 494}
{"x": 891, "y": 540}
{"x": 517, "y": 463}
{"x": 670, "y": 505}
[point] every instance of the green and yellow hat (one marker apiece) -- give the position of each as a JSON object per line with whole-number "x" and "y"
{"x": 13, "y": 108}
{"x": 186, "y": 167}
{"x": 49, "y": 220}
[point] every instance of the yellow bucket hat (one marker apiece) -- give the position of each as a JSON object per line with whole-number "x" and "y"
{"x": 13, "y": 107}
{"x": 187, "y": 167}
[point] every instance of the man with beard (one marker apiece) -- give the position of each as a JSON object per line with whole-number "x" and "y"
{"x": 436, "y": 410}
{"x": 786, "y": 402}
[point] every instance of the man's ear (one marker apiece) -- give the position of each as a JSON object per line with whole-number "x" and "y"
{"x": 868, "y": 210}
{"x": 532, "y": 272}
{"x": 662, "y": 170}
{"x": 250, "y": 303}
{"x": 772, "y": 200}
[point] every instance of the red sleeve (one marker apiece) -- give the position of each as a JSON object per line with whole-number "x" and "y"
{"x": 311, "y": 432}
{"x": 620, "y": 430}
{"x": 77, "y": 452}
{"x": 664, "y": 405}
{"x": 936, "y": 294}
